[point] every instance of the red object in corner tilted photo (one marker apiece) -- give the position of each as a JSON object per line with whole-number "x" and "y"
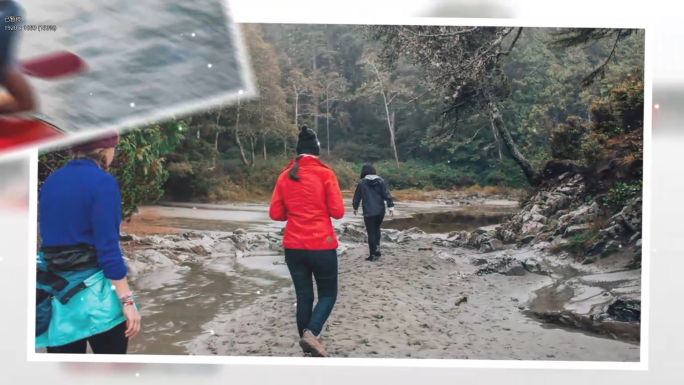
{"x": 16, "y": 132}
{"x": 54, "y": 65}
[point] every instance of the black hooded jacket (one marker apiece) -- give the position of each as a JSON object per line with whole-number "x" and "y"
{"x": 372, "y": 192}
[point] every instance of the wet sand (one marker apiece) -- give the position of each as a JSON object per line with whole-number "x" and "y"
{"x": 406, "y": 306}
{"x": 403, "y": 306}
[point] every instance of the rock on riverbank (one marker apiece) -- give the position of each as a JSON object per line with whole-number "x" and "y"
{"x": 144, "y": 255}
{"x": 598, "y": 287}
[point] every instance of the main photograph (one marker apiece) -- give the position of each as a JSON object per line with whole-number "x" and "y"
{"x": 410, "y": 192}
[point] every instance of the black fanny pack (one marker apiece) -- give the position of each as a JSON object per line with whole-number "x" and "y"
{"x": 51, "y": 283}
{"x": 69, "y": 258}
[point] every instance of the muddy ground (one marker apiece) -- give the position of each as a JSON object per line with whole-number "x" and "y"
{"x": 219, "y": 289}
{"x": 414, "y": 304}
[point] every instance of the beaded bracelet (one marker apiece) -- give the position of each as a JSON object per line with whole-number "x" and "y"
{"x": 127, "y": 299}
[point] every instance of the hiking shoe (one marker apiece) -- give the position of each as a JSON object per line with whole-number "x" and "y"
{"x": 311, "y": 343}
{"x": 307, "y": 353}
{"x": 370, "y": 258}
{"x": 378, "y": 253}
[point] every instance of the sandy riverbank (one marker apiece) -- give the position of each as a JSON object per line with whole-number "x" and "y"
{"x": 407, "y": 306}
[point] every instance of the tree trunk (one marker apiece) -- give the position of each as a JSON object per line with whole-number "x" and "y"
{"x": 264, "y": 138}
{"x": 237, "y": 139}
{"x": 315, "y": 94}
{"x": 327, "y": 120}
{"x": 252, "y": 150}
{"x": 296, "y": 117}
{"x": 216, "y": 138}
{"x": 533, "y": 176}
{"x": 215, "y": 148}
{"x": 394, "y": 144}
{"x": 387, "y": 113}
{"x": 497, "y": 138}
{"x": 391, "y": 129}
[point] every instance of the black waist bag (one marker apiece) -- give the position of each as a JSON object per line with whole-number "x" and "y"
{"x": 49, "y": 284}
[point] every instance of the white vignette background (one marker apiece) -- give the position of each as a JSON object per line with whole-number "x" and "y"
{"x": 664, "y": 356}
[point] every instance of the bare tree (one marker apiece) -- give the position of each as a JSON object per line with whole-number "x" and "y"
{"x": 335, "y": 87}
{"x": 467, "y": 63}
{"x": 381, "y": 83}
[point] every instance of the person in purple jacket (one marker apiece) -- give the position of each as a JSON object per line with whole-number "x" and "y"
{"x": 79, "y": 209}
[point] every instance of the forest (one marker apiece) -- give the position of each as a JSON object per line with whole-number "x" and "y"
{"x": 434, "y": 108}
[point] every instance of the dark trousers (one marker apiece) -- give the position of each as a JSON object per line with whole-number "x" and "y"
{"x": 113, "y": 341}
{"x": 320, "y": 265}
{"x": 373, "y": 229}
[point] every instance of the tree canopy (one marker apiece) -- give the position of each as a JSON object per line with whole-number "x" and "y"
{"x": 432, "y": 106}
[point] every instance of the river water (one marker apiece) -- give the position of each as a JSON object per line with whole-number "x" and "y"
{"x": 145, "y": 58}
{"x": 178, "y": 302}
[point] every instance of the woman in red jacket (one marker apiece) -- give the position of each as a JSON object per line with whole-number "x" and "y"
{"x": 307, "y": 195}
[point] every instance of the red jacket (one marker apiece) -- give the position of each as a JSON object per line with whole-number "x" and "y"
{"x": 307, "y": 206}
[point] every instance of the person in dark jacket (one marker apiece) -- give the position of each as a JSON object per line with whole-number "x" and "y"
{"x": 307, "y": 195}
{"x": 372, "y": 193}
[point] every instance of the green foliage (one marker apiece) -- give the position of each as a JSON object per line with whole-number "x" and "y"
{"x": 577, "y": 244}
{"x": 320, "y": 75}
{"x": 566, "y": 139}
{"x": 422, "y": 176}
{"x": 628, "y": 101}
{"x": 593, "y": 148}
{"x": 621, "y": 194}
{"x": 139, "y": 168}
{"x": 244, "y": 183}
{"x": 191, "y": 168}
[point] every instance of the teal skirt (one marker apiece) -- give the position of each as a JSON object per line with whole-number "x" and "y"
{"x": 94, "y": 310}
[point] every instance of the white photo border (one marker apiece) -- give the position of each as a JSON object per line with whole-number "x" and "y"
{"x": 264, "y": 17}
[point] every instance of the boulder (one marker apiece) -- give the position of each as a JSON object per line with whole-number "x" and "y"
{"x": 353, "y": 235}
{"x": 502, "y": 264}
{"x": 574, "y": 230}
{"x": 152, "y": 257}
{"x": 124, "y": 237}
{"x": 514, "y": 268}
{"x": 533, "y": 265}
{"x": 625, "y": 310}
{"x": 532, "y": 228}
{"x": 491, "y": 244}
{"x": 476, "y": 261}
{"x": 192, "y": 234}
{"x": 389, "y": 235}
{"x": 202, "y": 250}
{"x": 155, "y": 240}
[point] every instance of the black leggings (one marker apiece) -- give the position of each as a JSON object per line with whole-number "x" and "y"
{"x": 373, "y": 229}
{"x": 113, "y": 341}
